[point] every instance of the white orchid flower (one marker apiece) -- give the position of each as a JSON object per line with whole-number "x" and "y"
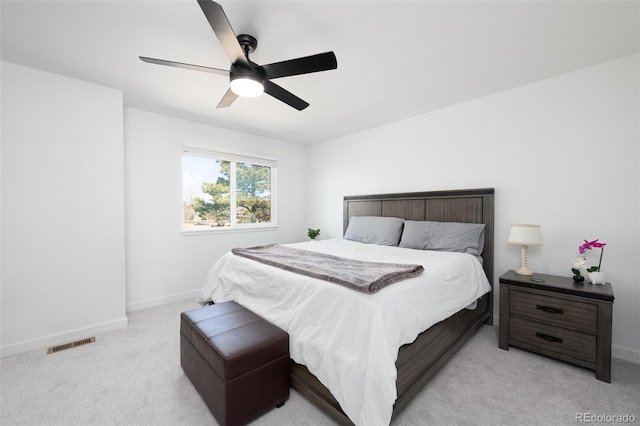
{"x": 579, "y": 262}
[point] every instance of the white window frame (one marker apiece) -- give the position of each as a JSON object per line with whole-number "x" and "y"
{"x": 233, "y": 158}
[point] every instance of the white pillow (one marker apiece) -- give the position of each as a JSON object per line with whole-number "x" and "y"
{"x": 384, "y": 231}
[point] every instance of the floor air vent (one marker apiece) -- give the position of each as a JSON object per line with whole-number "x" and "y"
{"x": 59, "y": 348}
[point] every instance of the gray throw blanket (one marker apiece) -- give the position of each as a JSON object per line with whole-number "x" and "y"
{"x": 367, "y": 277}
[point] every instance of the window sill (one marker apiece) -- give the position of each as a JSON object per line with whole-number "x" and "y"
{"x": 213, "y": 231}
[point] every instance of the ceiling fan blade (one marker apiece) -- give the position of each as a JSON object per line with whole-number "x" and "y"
{"x": 185, "y": 66}
{"x": 227, "y": 99}
{"x": 284, "y": 95}
{"x": 222, "y": 28}
{"x": 314, "y": 63}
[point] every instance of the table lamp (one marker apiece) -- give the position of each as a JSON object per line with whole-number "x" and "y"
{"x": 525, "y": 235}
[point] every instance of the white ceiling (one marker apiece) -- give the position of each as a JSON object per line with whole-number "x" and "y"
{"x": 396, "y": 59}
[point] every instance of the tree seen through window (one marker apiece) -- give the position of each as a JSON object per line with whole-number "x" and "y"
{"x": 211, "y": 186}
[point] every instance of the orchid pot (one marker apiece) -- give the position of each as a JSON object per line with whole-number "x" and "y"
{"x": 597, "y": 277}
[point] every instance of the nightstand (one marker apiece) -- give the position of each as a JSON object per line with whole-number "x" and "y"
{"x": 556, "y": 317}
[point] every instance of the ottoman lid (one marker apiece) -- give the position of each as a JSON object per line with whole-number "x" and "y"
{"x": 233, "y": 339}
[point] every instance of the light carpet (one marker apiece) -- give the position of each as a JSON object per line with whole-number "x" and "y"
{"x": 133, "y": 376}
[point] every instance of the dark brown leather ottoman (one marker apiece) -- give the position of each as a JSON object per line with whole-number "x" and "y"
{"x": 237, "y": 361}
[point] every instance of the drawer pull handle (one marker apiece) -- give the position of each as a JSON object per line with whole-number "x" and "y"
{"x": 549, "y": 338}
{"x": 550, "y": 310}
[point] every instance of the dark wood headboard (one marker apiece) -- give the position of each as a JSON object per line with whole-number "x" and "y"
{"x": 468, "y": 205}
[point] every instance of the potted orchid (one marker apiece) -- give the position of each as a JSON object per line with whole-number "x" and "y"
{"x": 596, "y": 276}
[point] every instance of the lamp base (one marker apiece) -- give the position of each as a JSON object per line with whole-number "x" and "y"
{"x": 524, "y": 271}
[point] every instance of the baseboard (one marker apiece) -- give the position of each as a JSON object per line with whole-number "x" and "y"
{"x": 82, "y": 333}
{"x": 616, "y": 351}
{"x": 150, "y": 303}
{"x": 625, "y": 354}
{"x": 60, "y": 338}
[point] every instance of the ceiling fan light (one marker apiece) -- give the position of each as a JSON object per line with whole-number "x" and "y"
{"x": 247, "y": 87}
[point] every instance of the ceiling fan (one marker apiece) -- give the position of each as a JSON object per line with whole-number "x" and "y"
{"x": 246, "y": 78}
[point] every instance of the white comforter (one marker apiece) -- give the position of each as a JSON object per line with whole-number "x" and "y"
{"x": 348, "y": 339}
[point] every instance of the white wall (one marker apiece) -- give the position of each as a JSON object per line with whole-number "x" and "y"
{"x": 562, "y": 153}
{"x": 163, "y": 264}
{"x": 63, "y": 272}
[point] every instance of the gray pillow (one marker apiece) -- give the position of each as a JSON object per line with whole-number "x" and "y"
{"x": 443, "y": 236}
{"x": 384, "y": 231}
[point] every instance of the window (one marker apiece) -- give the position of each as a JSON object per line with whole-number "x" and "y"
{"x": 226, "y": 191}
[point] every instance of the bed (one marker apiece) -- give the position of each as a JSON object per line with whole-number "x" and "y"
{"x": 414, "y": 360}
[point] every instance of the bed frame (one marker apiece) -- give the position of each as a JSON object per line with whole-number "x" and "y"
{"x": 419, "y": 361}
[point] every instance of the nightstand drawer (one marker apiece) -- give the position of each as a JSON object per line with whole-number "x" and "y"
{"x": 551, "y": 310}
{"x": 547, "y": 338}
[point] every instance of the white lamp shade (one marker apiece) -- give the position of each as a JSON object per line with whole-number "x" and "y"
{"x": 246, "y": 87}
{"x": 526, "y": 235}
